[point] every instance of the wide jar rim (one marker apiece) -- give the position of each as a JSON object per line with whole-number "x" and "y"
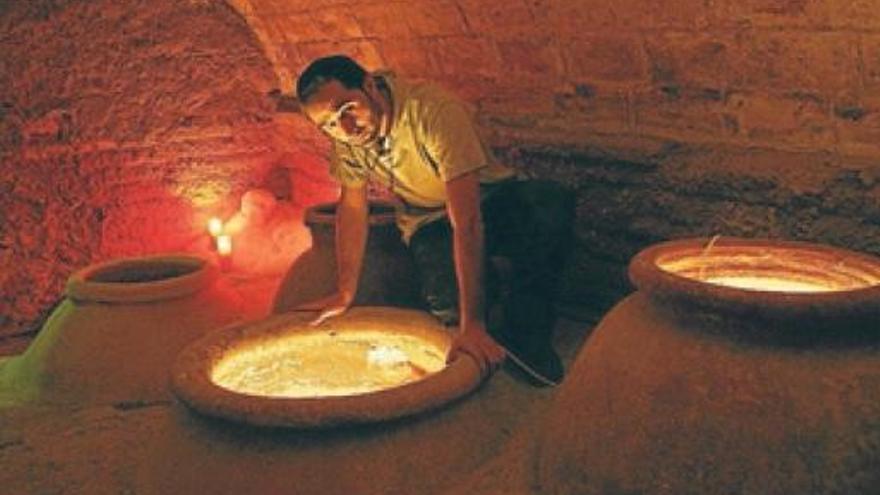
{"x": 192, "y": 382}
{"x": 803, "y": 259}
{"x": 141, "y": 279}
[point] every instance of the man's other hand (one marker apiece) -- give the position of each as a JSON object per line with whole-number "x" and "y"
{"x": 475, "y": 341}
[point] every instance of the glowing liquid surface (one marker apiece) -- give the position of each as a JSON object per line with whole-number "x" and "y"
{"x": 768, "y": 284}
{"x": 326, "y": 364}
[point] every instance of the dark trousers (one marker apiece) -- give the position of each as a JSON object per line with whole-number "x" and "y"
{"x": 527, "y": 232}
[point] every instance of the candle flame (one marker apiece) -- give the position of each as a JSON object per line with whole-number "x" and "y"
{"x": 215, "y": 226}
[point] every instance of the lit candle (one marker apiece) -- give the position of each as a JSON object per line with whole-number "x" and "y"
{"x": 215, "y": 226}
{"x": 224, "y": 244}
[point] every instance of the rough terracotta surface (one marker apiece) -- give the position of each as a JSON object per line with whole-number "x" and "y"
{"x": 661, "y": 400}
{"x": 94, "y": 450}
{"x": 708, "y": 389}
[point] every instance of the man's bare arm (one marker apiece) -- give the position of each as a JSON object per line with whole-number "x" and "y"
{"x": 463, "y": 207}
{"x": 351, "y": 240}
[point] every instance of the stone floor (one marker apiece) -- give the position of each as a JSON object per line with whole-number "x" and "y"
{"x": 98, "y": 450}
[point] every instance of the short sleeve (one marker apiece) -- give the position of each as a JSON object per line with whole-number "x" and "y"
{"x": 451, "y": 140}
{"x": 345, "y": 167}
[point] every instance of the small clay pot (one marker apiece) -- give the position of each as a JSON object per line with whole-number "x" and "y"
{"x": 712, "y": 379}
{"x": 388, "y": 276}
{"x": 114, "y": 336}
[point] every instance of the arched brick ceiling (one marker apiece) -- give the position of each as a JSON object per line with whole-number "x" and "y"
{"x": 462, "y": 39}
{"x": 783, "y": 74}
{"x": 268, "y": 42}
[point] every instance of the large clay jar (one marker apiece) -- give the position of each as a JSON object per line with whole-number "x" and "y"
{"x": 234, "y": 442}
{"x": 388, "y": 276}
{"x": 283, "y": 371}
{"x": 740, "y": 366}
{"x": 114, "y": 336}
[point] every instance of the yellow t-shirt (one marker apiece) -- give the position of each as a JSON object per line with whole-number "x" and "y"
{"x": 432, "y": 140}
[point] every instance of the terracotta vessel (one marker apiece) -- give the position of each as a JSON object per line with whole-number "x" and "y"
{"x": 739, "y": 366}
{"x": 330, "y": 445}
{"x": 193, "y": 376}
{"x": 116, "y": 333}
{"x": 388, "y": 276}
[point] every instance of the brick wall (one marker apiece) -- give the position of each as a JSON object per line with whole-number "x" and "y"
{"x": 672, "y": 118}
{"x": 625, "y": 205}
{"x": 797, "y": 75}
{"x": 122, "y": 124}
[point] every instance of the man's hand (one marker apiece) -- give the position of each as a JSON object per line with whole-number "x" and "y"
{"x": 351, "y": 241}
{"x": 475, "y": 341}
{"x": 328, "y": 307}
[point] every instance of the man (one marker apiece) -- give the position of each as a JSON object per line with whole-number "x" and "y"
{"x": 456, "y": 207}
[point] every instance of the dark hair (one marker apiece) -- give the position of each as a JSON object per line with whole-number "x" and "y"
{"x": 333, "y": 68}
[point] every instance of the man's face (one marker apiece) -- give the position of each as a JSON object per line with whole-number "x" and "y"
{"x": 346, "y": 115}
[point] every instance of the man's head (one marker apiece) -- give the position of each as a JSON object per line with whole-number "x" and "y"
{"x": 341, "y": 98}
